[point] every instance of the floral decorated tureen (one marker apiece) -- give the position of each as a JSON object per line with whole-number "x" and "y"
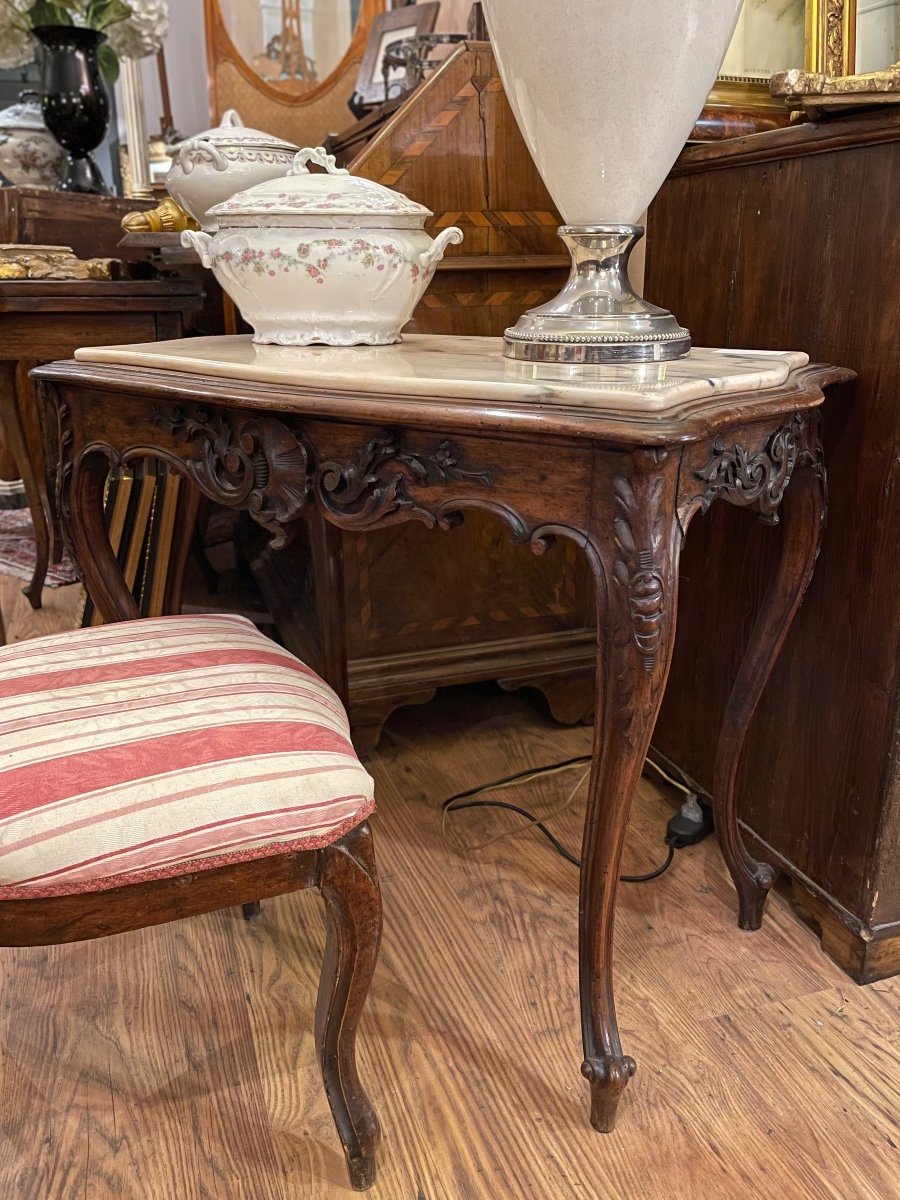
{"x": 329, "y": 258}
{"x": 30, "y": 156}
{"x": 209, "y": 168}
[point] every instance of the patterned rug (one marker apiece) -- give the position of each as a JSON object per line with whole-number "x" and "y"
{"x": 17, "y": 550}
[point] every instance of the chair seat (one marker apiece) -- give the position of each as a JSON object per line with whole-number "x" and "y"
{"x": 151, "y": 748}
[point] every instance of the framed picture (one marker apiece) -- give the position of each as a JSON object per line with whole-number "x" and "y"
{"x": 413, "y": 20}
{"x": 835, "y": 37}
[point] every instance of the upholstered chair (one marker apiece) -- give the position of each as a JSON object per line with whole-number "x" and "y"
{"x": 152, "y": 770}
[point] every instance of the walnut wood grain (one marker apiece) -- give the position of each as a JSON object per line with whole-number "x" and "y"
{"x": 873, "y": 128}
{"x": 622, "y": 487}
{"x": 780, "y": 266}
{"x": 348, "y": 883}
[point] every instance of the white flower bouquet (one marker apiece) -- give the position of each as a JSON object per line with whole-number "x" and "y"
{"x": 134, "y": 28}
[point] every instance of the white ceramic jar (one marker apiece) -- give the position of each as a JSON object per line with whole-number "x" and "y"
{"x": 30, "y": 156}
{"x": 209, "y": 168}
{"x": 322, "y": 258}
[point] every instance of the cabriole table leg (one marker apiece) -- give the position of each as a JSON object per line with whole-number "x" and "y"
{"x": 802, "y": 517}
{"x": 636, "y": 583}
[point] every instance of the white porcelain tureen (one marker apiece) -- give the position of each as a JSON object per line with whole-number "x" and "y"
{"x": 209, "y": 168}
{"x": 30, "y": 156}
{"x": 327, "y": 258}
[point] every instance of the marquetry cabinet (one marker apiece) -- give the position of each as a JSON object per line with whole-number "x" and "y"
{"x": 790, "y": 239}
{"x": 421, "y": 612}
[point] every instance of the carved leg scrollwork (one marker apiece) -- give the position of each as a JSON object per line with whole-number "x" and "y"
{"x": 636, "y": 580}
{"x": 802, "y": 512}
{"x": 81, "y": 489}
{"x": 348, "y": 882}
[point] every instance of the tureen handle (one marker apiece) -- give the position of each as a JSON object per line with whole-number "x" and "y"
{"x": 320, "y": 156}
{"x": 200, "y": 242}
{"x": 232, "y": 118}
{"x": 200, "y": 148}
{"x": 435, "y": 252}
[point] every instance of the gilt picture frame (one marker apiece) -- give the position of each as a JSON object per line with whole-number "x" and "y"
{"x": 829, "y": 46}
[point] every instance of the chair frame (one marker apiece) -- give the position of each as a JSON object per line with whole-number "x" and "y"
{"x": 344, "y": 874}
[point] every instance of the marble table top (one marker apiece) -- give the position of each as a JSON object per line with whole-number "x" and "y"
{"x": 465, "y": 368}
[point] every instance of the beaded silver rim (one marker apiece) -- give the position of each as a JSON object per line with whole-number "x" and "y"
{"x": 592, "y": 339}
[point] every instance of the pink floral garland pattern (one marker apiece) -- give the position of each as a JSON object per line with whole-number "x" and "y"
{"x": 316, "y": 258}
{"x": 334, "y": 201}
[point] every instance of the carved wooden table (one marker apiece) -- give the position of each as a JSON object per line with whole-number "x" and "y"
{"x": 45, "y": 319}
{"x": 619, "y": 461}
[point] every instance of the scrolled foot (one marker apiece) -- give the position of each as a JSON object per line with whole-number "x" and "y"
{"x": 33, "y": 594}
{"x": 608, "y": 1078}
{"x": 753, "y": 892}
{"x": 362, "y": 1172}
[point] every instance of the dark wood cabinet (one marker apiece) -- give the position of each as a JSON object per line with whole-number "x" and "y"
{"x": 89, "y": 225}
{"x": 789, "y": 239}
{"x": 43, "y": 320}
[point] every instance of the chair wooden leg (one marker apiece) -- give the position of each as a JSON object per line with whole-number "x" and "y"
{"x": 349, "y": 886}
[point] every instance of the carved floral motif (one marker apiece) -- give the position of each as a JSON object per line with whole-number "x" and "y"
{"x": 637, "y": 570}
{"x": 759, "y": 477}
{"x": 834, "y": 37}
{"x": 256, "y": 461}
{"x": 372, "y": 488}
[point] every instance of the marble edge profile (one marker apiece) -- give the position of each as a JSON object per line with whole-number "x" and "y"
{"x": 762, "y": 370}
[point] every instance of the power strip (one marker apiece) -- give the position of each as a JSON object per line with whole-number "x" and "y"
{"x": 692, "y": 824}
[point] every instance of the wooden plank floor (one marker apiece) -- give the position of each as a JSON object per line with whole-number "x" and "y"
{"x": 177, "y": 1063}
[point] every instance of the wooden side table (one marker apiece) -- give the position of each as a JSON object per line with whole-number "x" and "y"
{"x": 44, "y": 320}
{"x": 618, "y": 459}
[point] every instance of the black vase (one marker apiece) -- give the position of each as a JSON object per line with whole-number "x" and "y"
{"x": 74, "y": 101}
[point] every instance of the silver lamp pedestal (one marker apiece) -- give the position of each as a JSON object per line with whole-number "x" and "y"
{"x": 597, "y": 317}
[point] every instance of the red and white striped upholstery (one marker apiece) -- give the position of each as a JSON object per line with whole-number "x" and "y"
{"x": 129, "y": 751}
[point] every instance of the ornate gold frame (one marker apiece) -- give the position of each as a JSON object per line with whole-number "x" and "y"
{"x": 831, "y": 36}
{"x": 830, "y": 48}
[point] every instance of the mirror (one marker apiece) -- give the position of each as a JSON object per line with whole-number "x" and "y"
{"x": 769, "y": 35}
{"x": 291, "y": 44}
{"x": 877, "y": 35}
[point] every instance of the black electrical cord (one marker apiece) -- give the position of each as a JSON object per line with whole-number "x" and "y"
{"x": 452, "y": 803}
{"x": 532, "y": 771}
{"x": 554, "y": 841}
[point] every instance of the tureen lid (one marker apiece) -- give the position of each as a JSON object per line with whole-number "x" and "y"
{"x": 334, "y": 195}
{"x": 233, "y": 132}
{"x": 24, "y": 114}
